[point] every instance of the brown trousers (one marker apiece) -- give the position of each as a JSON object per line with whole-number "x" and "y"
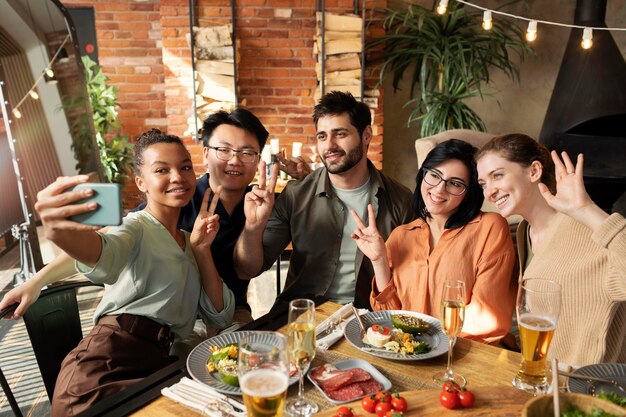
{"x": 105, "y": 362}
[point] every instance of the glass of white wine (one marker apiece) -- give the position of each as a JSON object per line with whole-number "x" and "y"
{"x": 451, "y": 316}
{"x": 263, "y": 371}
{"x": 301, "y": 347}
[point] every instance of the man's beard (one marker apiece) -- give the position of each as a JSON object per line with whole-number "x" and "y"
{"x": 352, "y": 158}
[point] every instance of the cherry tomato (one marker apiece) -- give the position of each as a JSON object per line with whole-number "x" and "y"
{"x": 379, "y": 328}
{"x": 382, "y": 407}
{"x": 466, "y": 398}
{"x": 369, "y": 403}
{"x": 383, "y": 396}
{"x": 449, "y": 399}
{"x": 399, "y": 403}
{"x": 344, "y": 412}
{"x": 451, "y": 385}
{"x": 394, "y": 413}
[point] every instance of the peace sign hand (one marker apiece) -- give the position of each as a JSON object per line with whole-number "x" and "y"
{"x": 259, "y": 202}
{"x": 207, "y": 222}
{"x": 367, "y": 238}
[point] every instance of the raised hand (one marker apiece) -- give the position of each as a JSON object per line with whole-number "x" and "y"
{"x": 295, "y": 167}
{"x": 571, "y": 196}
{"x": 367, "y": 238}
{"x": 259, "y": 201}
{"x": 54, "y": 206}
{"x": 207, "y": 223}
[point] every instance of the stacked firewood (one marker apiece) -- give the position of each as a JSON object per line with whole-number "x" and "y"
{"x": 343, "y": 50}
{"x": 215, "y": 71}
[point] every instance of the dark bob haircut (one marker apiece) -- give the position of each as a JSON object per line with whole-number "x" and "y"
{"x": 473, "y": 196}
{"x": 240, "y": 118}
{"x": 338, "y": 102}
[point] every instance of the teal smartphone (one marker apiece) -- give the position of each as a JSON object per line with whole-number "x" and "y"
{"x": 109, "y": 200}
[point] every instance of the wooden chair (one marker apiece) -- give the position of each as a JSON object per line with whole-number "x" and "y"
{"x": 54, "y": 328}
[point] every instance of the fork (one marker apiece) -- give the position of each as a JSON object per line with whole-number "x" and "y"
{"x": 359, "y": 321}
{"x": 590, "y": 381}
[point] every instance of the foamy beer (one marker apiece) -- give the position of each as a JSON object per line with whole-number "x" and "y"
{"x": 263, "y": 373}
{"x": 538, "y": 307}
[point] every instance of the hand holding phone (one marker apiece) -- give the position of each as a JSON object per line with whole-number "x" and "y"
{"x": 109, "y": 200}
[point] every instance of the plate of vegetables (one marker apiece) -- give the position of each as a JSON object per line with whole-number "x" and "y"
{"x": 214, "y": 361}
{"x": 398, "y": 334}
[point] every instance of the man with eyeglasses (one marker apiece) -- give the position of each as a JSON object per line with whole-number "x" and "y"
{"x": 314, "y": 212}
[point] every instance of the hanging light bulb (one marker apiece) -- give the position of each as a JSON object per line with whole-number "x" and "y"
{"x": 49, "y": 72}
{"x": 33, "y": 95}
{"x": 487, "y": 21}
{"x": 531, "y": 32}
{"x": 443, "y": 6}
{"x": 587, "y": 38}
{"x": 17, "y": 114}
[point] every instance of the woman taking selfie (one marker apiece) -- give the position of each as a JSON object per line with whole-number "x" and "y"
{"x": 158, "y": 278}
{"x": 451, "y": 239}
{"x": 567, "y": 238}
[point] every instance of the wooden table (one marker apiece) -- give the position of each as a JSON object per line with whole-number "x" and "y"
{"x": 489, "y": 371}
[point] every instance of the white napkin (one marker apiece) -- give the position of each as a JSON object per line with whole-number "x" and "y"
{"x": 340, "y": 318}
{"x": 203, "y": 398}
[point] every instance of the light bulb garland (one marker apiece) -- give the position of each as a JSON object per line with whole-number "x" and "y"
{"x": 531, "y": 32}
{"x": 32, "y": 93}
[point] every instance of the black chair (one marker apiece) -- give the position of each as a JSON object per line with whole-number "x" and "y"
{"x": 54, "y": 328}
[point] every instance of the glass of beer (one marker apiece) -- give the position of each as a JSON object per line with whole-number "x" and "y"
{"x": 538, "y": 306}
{"x": 451, "y": 316}
{"x": 263, "y": 371}
{"x": 301, "y": 342}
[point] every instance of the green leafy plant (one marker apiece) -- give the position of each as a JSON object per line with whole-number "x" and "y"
{"x": 116, "y": 153}
{"x": 449, "y": 58}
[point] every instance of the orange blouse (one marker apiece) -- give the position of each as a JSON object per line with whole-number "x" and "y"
{"x": 480, "y": 253}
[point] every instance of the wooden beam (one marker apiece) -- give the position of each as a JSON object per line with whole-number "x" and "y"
{"x": 215, "y": 67}
{"x": 213, "y": 36}
{"x": 340, "y": 23}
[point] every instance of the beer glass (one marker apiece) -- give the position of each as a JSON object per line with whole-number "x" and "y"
{"x": 263, "y": 370}
{"x": 451, "y": 316}
{"x": 538, "y": 306}
{"x": 301, "y": 342}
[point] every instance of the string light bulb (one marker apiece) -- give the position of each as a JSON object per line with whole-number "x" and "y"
{"x": 531, "y": 32}
{"x": 49, "y": 72}
{"x": 33, "y": 95}
{"x": 487, "y": 20}
{"x": 587, "y": 38}
{"x": 443, "y": 6}
{"x": 17, "y": 114}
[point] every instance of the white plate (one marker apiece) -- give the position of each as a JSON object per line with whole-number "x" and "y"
{"x": 612, "y": 371}
{"x": 437, "y": 339}
{"x": 354, "y": 363}
{"x": 197, "y": 359}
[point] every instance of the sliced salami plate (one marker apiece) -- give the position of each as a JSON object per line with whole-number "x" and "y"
{"x": 437, "y": 339}
{"x": 348, "y": 380}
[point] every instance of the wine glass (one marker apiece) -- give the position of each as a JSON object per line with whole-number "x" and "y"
{"x": 451, "y": 316}
{"x": 538, "y": 307}
{"x": 301, "y": 347}
{"x": 263, "y": 371}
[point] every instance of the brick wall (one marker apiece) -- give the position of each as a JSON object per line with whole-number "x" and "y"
{"x": 143, "y": 49}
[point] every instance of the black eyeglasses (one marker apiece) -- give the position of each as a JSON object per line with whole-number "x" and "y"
{"x": 454, "y": 187}
{"x": 226, "y": 154}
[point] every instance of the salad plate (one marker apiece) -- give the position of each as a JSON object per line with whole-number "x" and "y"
{"x": 199, "y": 356}
{"x": 611, "y": 371}
{"x": 435, "y": 337}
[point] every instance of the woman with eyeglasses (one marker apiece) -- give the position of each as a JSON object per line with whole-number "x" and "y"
{"x": 451, "y": 239}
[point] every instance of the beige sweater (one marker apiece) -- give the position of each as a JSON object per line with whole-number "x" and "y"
{"x": 591, "y": 268}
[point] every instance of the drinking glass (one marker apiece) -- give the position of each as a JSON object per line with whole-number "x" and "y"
{"x": 301, "y": 342}
{"x": 537, "y": 308}
{"x": 263, "y": 371}
{"x": 451, "y": 316}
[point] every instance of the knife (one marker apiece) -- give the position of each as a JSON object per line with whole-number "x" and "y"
{"x": 332, "y": 324}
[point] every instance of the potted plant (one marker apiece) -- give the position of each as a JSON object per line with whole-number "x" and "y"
{"x": 449, "y": 58}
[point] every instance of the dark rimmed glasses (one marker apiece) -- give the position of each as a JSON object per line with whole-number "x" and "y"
{"x": 433, "y": 178}
{"x": 226, "y": 154}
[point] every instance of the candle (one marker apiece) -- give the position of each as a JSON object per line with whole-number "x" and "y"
{"x": 296, "y": 149}
{"x": 266, "y": 155}
{"x": 275, "y": 145}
